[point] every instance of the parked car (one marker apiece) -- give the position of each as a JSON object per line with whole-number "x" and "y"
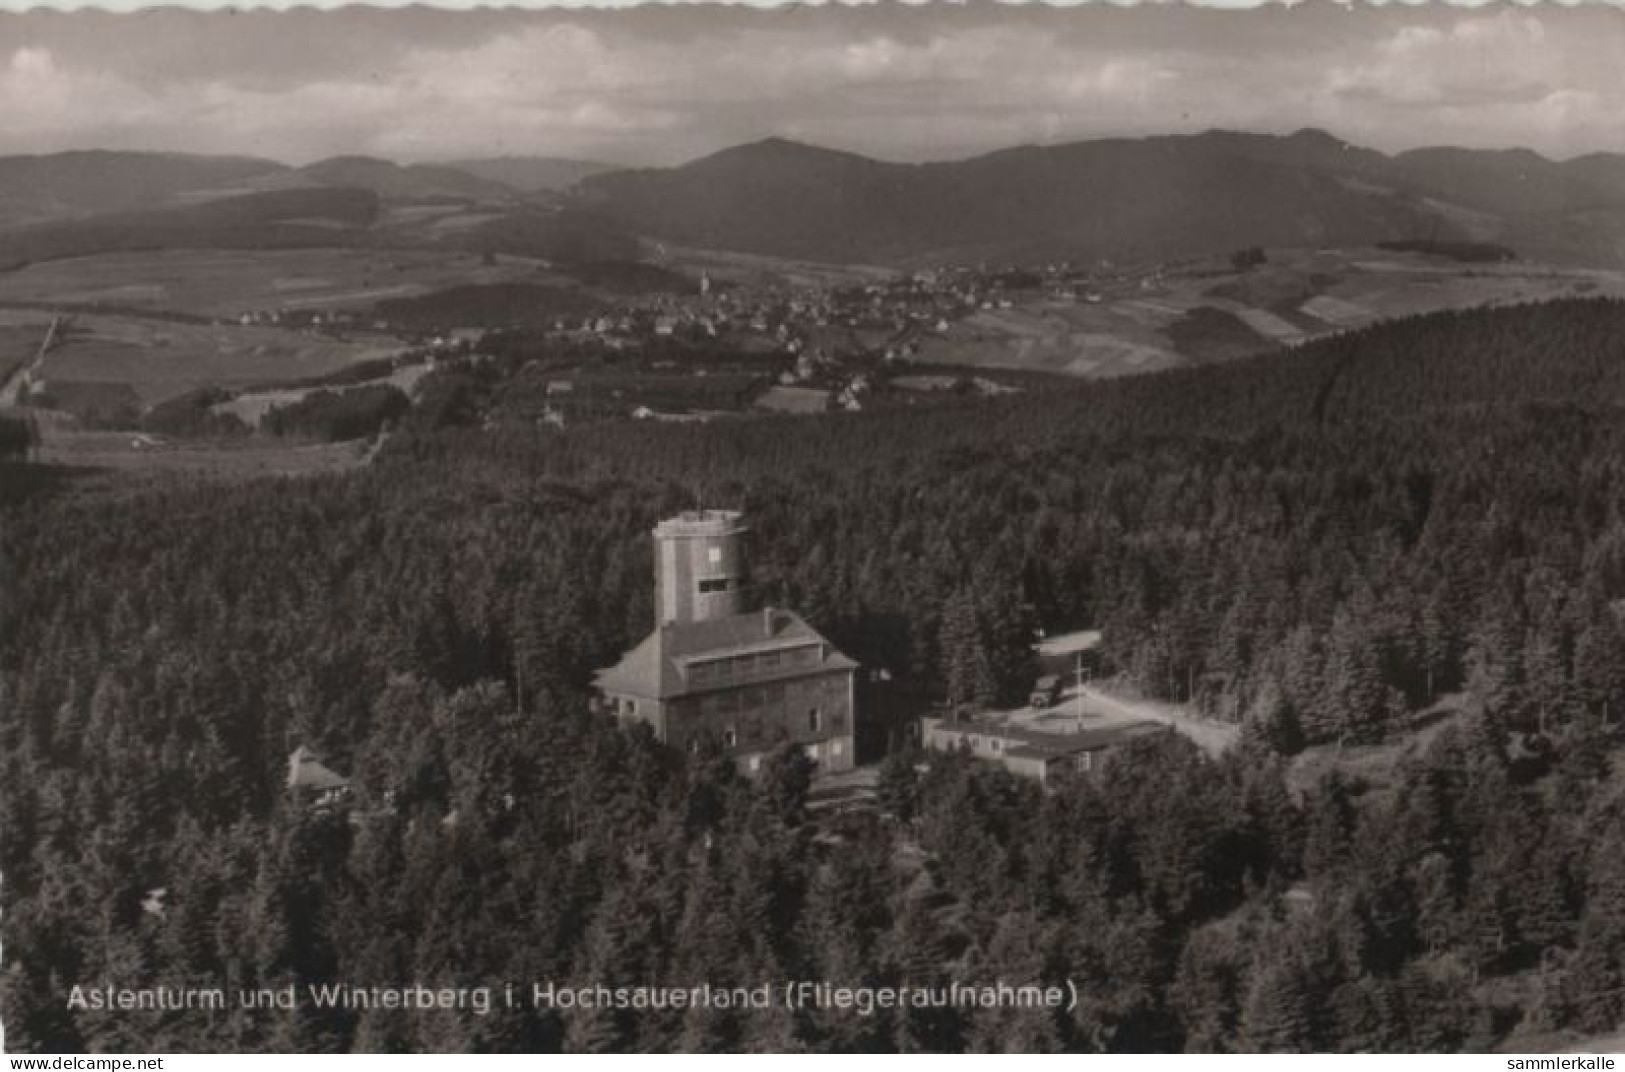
{"x": 1046, "y": 691}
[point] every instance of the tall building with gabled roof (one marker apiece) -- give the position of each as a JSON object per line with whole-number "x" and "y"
{"x": 719, "y": 669}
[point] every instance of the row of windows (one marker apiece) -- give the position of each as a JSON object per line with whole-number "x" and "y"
{"x": 774, "y": 694}
{"x": 746, "y": 701}
{"x": 759, "y": 731}
{"x": 741, "y": 667}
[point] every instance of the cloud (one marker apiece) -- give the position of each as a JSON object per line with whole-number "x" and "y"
{"x": 1480, "y": 61}
{"x": 1510, "y": 77}
{"x": 41, "y": 98}
{"x": 663, "y": 84}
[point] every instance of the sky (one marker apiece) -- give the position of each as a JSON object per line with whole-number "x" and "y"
{"x": 657, "y": 85}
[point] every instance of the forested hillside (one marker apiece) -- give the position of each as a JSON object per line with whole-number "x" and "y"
{"x": 1317, "y": 544}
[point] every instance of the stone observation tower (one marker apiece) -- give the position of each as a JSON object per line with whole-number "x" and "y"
{"x": 719, "y": 670}
{"x": 700, "y": 570}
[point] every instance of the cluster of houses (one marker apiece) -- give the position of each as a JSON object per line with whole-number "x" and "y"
{"x": 838, "y": 344}
{"x": 890, "y": 318}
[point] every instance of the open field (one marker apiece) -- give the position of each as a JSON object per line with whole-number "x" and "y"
{"x": 747, "y": 269}
{"x": 122, "y": 455}
{"x": 1207, "y": 311}
{"x": 95, "y": 460}
{"x": 1080, "y": 340}
{"x": 158, "y": 360}
{"x": 228, "y": 283}
{"x": 250, "y": 407}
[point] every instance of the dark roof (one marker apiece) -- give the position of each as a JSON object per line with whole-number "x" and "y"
{"x": 657, "y": 667}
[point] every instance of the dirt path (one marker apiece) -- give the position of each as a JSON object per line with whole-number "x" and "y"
{"x": 11, "y": 390}
{"x": 1212, "y": 737}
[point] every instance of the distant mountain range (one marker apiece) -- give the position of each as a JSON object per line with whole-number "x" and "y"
{"x": 1157, "y": 197}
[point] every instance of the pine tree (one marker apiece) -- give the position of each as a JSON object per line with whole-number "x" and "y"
{"x": 898, "y": 785}
{"x": 786, "y": 780}
{"x": 1282, "y": 1009}
{"x": 967, "y": 670}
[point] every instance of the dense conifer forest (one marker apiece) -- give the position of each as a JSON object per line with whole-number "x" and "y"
{"x": 1410, "y": 533}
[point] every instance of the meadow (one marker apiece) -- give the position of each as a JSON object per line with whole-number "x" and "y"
{"x": 1204, "y": 311}
{"x": 227, "y": 283}
{"x": 159, "y": 360}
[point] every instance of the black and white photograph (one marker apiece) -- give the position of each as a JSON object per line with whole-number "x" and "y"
{"x": 906, "y": 528}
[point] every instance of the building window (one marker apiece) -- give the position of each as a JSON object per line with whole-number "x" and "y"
{"x": 837, "y": 749}
{"x": 815, "y": 721}
{"x": 755, "y": 764}
{"x": 713, "y": 584}
{"x": 730, "y": 738}
{"x": 713, "y": 555}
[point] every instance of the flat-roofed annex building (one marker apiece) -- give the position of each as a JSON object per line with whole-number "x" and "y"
{"x": 718, "y": 669}
{"x": 1043, "y": 755}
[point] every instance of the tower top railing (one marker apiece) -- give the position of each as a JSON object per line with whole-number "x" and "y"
{"x": 701, "y": 523}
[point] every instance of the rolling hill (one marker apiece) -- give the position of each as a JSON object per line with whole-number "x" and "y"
{"x": 35, "y": 188}
{"x": 532, "y": 174}
{"x": 72, "y": 185}
{"x": 276, "y": 219}
{"x": 298, "y": 216}
{"x": 403, "y": 181}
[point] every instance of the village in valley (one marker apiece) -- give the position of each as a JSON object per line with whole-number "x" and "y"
{"x": 108, "y": 373}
